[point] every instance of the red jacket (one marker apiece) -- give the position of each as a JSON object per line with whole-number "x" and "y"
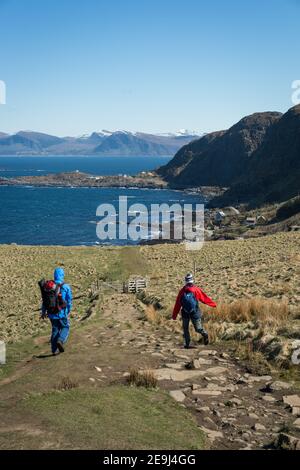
{"x": 199, "y": 295}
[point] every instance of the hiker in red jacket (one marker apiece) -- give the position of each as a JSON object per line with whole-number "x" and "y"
{"x": 187, "y": 301}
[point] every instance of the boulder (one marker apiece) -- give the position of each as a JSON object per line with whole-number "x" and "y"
{"x": 296, "y": 423}
{"x": 212, "y": 435}
{"x": 206, "y": 392}
{"x": 277, "y": 386}
{"x": 269, "y": 399}
{"x": 177, "y": 375}
{"x": 287, "y": 442}
{"x": 259, "y": 378}
{"x": 296, "y": 411}
{"x": 292, "y": 400}
{"x": 258, "y": 427}
{"x": 178, "y": 395}
{"x": 208, "y": 352}
{"x": 176, "y": 365}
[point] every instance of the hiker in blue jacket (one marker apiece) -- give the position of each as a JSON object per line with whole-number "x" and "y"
{"x": 57, "y": 305}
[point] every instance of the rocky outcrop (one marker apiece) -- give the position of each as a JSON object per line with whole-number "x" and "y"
{"x": 219, "y": 158}
{"x": 257, "y": 159}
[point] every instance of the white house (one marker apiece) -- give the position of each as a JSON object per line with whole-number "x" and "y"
{"x": 219, "y": 216}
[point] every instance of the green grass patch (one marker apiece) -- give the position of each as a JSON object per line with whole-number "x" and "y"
{"x": 127, "y": 262}
{"x": 16, "y": 353}
{"x": 116, "y": 417}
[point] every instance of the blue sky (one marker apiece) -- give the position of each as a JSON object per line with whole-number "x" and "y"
{"x": 73, "y": 66}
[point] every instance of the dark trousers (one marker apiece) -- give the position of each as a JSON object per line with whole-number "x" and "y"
{"x": 196, "y": 319}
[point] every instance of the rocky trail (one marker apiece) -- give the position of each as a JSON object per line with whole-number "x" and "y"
{"x": 235, "y": 409}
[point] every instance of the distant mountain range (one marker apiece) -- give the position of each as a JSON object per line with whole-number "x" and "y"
{"x": 104, "y": 143}
{"x": 258, "y": 159}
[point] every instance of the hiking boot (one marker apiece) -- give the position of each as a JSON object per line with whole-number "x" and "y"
{"x": 186, "y": 346}
{"x": 206, "y": 339}
{"x": 60, "y": 347}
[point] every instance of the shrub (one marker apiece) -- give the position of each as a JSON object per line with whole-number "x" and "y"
{"x": 66, "y": 384}
{"x": 142, "y": 379}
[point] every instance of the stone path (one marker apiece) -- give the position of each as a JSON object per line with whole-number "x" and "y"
{"x": 236, "y": 410}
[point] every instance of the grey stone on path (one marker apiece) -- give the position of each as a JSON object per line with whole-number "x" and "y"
{"x": 269, "y": 398}
{"x": 253, "y": 416}
{"x": 212, "y": 435}
{"x": 296, "y": 411}
{"x": 287, "y": 442}
{"x": 157, "y": 354}
{"x": 198, "y": 363}
{"x": 175, "y": 365}
{"x": 203, "y": 409}
{"x": 220, "y": 388}
{"x": 259, "y": 427}
{"x": 206, "y": 392}
{"x": 182, "y": 356}
{"x": 296, "y": 424}
{"x": 216, "y": 371}
{"x": 208, "y": 352}
{"x": 234, "y": 402}
{"x": 178, "y": 395}
{"x": 259, "y": 378}
{"x": 209, "y": 422}
{"x": 278, "y": 385}
{"x": 291, "y": 400}
{"x": 185, "y": 375}
{"x": 242, "y": 381}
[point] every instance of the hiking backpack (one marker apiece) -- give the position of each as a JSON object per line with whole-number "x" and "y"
{"x": 51, "y": 296}
{"x": 189, "y": 303}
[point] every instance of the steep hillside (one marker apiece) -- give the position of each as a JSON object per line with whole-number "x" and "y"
{"x": 221, "y": 157}
{"x": 273, "y": 173}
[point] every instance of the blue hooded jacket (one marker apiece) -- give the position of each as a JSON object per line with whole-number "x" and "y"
{"x": 66, "y": 293}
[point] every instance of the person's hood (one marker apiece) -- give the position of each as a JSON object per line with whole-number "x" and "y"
{"x": 59, "y": 275}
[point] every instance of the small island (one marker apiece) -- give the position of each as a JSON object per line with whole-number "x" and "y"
{"x": 78, "y": 179}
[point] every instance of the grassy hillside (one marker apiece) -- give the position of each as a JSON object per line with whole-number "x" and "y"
{"x": 256, "y": 285}
{"x": 227, "y": 270}
{"x": 114, "y": 417}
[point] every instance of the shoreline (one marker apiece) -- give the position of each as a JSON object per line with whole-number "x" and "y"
{"x": 144, "y": 180}
{"x": 80, "y": 180}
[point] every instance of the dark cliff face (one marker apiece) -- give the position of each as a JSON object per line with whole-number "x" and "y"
{"x": 273, "y": 173}
{"x": 175, "y": 168}
{"x": 221, "y": 157}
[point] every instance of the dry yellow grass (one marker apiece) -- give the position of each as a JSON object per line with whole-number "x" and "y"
{"x": 231, "y": 272}
{"x": 145, "y": 379}
{"x": 267, "y": 313}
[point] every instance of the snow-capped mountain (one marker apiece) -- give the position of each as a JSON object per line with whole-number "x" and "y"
{"x": 104, "y": 142}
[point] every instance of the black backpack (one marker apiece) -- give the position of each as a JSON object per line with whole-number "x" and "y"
{"x": 51, "y": 296}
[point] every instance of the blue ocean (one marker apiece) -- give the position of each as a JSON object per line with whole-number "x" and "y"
{"x": 67, "y": 216}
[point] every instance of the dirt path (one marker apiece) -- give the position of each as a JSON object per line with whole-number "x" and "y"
{"x": 237, "y": 410}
